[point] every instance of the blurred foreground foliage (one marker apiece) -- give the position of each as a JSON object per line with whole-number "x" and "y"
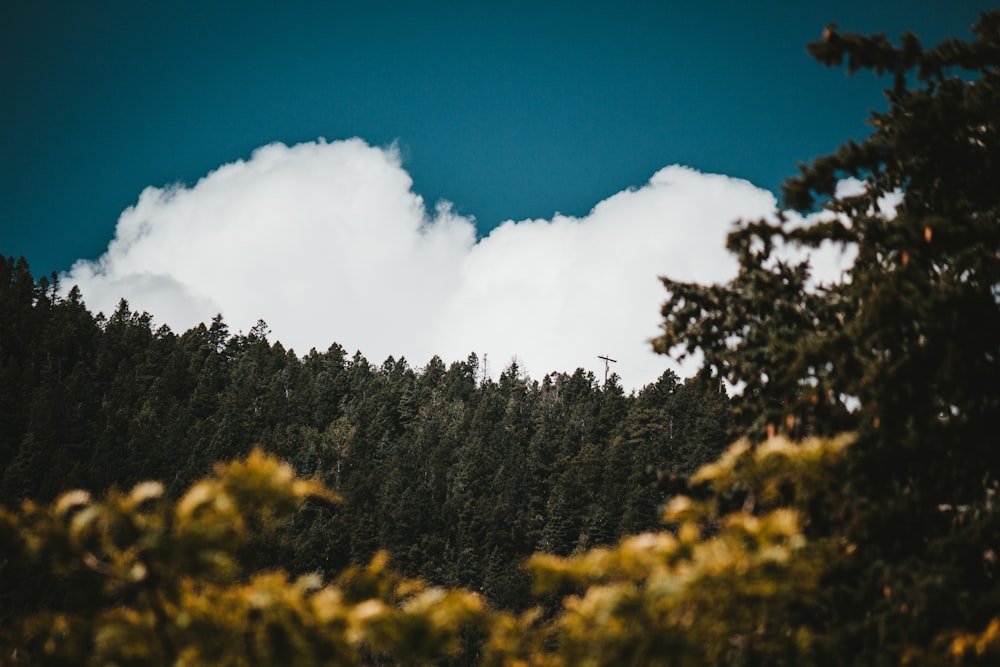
{"x": 162, "y": 582}
{"x": 166, "y": 588}
{"x": 732, "y": 579}
{"x": 734, "y": 576}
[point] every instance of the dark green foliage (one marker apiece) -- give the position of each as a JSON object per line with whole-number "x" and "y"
{"x": 460, "y": 480}
{"x": 905, "y": 352}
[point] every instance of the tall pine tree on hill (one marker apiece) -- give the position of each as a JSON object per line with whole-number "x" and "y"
{"x": 905, "y": 350}
{"x": 800, "y": 546}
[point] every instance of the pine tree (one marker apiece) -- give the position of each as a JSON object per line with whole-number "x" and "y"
{"x": 875, "y": 548}
{"x": 878, "y": 548}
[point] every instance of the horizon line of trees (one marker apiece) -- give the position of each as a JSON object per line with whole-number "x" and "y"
{"x": 459, "y": 476}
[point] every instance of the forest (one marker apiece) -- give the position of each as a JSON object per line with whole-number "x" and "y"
{"x": 459, "y": 476}
{"x": 206, "y": 498}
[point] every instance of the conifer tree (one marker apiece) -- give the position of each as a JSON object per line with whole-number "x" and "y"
{"x": 877, "y": 548}
{"x": 881, "y": 552}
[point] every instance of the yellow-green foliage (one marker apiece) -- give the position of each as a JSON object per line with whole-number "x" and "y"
{"x": 962, "y": 645}
{"x": 724, "y": 584}
{"x": 173, "y": 593}
{"x": 719, "y": 586}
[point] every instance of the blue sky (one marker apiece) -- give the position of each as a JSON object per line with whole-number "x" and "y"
{"x": 509, "y": 110}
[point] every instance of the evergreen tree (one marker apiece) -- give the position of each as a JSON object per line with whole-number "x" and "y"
{"x": 878, "y": 548}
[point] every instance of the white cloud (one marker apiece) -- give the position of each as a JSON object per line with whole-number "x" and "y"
{"x": 558, "y": 293}
{"x": 327, "y": 242}
{"x": 831, "y": 262}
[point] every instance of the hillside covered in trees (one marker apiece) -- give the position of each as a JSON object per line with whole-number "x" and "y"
{"x": 855, "y": 521}
{"x": 459, "y": 476}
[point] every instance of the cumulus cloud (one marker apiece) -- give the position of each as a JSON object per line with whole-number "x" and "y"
{"x": 327, "y": 242}
{"x": 557, "y": 293}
